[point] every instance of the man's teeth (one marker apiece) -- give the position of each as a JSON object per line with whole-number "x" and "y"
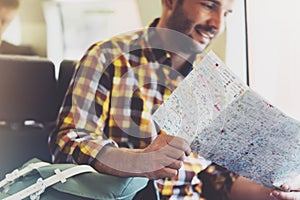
{"x": 203, "y": 34}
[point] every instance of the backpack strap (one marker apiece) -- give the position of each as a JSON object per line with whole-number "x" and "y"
{"x": 11, "y": 177}
{"x": 35, "y": 190}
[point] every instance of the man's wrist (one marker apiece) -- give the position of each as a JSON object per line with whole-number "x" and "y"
{"x": 109, "y": 142}
{"x": 120, "y": 162}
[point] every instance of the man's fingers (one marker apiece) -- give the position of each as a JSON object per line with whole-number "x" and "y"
{"x": 166, "y": 173}
{"x": 289, "y": 195}
{"x": 286, "y": 195}
{"x": 285, "y": 187}
{"x": 178, "y": 143}
{"x": 175, "y": 165}
{"x": 174, "y": 153}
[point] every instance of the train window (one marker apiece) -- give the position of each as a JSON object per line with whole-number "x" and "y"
{"x": 73, "y": 26}
{"x": 274, "y": 49}
{"x": 64, "y": 29}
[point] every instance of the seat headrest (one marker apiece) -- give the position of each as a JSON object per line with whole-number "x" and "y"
{"x": 27, "y": 89}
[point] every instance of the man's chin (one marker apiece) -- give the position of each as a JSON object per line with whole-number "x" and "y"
{"x": 197, "y": 48}
{"x": 202, "y": 47}
{"x": 186, "y": 43}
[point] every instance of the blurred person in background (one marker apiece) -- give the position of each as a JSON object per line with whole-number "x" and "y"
{"x": 8, "y": 11}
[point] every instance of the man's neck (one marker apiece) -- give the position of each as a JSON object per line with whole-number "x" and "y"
{"x": 179, "y": 58}
{"x": 178, "y": 62}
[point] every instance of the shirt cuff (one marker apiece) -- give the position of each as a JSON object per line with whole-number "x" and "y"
{"x": 109, "y": 142}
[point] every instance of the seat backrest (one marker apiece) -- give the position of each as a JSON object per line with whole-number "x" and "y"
{"x": 19, "y": 146}
{"x": 28, "y": 89}
{"x": 66, "y": 71}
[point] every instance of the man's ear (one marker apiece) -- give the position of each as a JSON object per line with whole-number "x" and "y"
{"x": 169, "y": 4}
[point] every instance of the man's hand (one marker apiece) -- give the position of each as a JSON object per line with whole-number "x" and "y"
{"x": 164, "y": 156}
{"x": 291, "y": 190}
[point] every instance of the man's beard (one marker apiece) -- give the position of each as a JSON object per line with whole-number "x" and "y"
{"x": 180, "y": 35}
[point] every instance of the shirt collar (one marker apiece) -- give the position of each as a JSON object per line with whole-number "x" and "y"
{"x": 162, "y": 56}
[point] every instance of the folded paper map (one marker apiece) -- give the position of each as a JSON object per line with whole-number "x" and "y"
{"x": 230, "y": 124}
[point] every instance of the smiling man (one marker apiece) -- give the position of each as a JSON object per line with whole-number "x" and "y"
{"x": 105, "y": 120}
{"x": 8, "y": 11}
{"x": 200, "y": 20}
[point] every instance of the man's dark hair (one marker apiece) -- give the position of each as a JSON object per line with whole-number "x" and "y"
{"x": 9, "y": 3}
{"x": 180, "y": 1}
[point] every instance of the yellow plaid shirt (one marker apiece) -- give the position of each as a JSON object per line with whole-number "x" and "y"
{"x": 116, "y": 87}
